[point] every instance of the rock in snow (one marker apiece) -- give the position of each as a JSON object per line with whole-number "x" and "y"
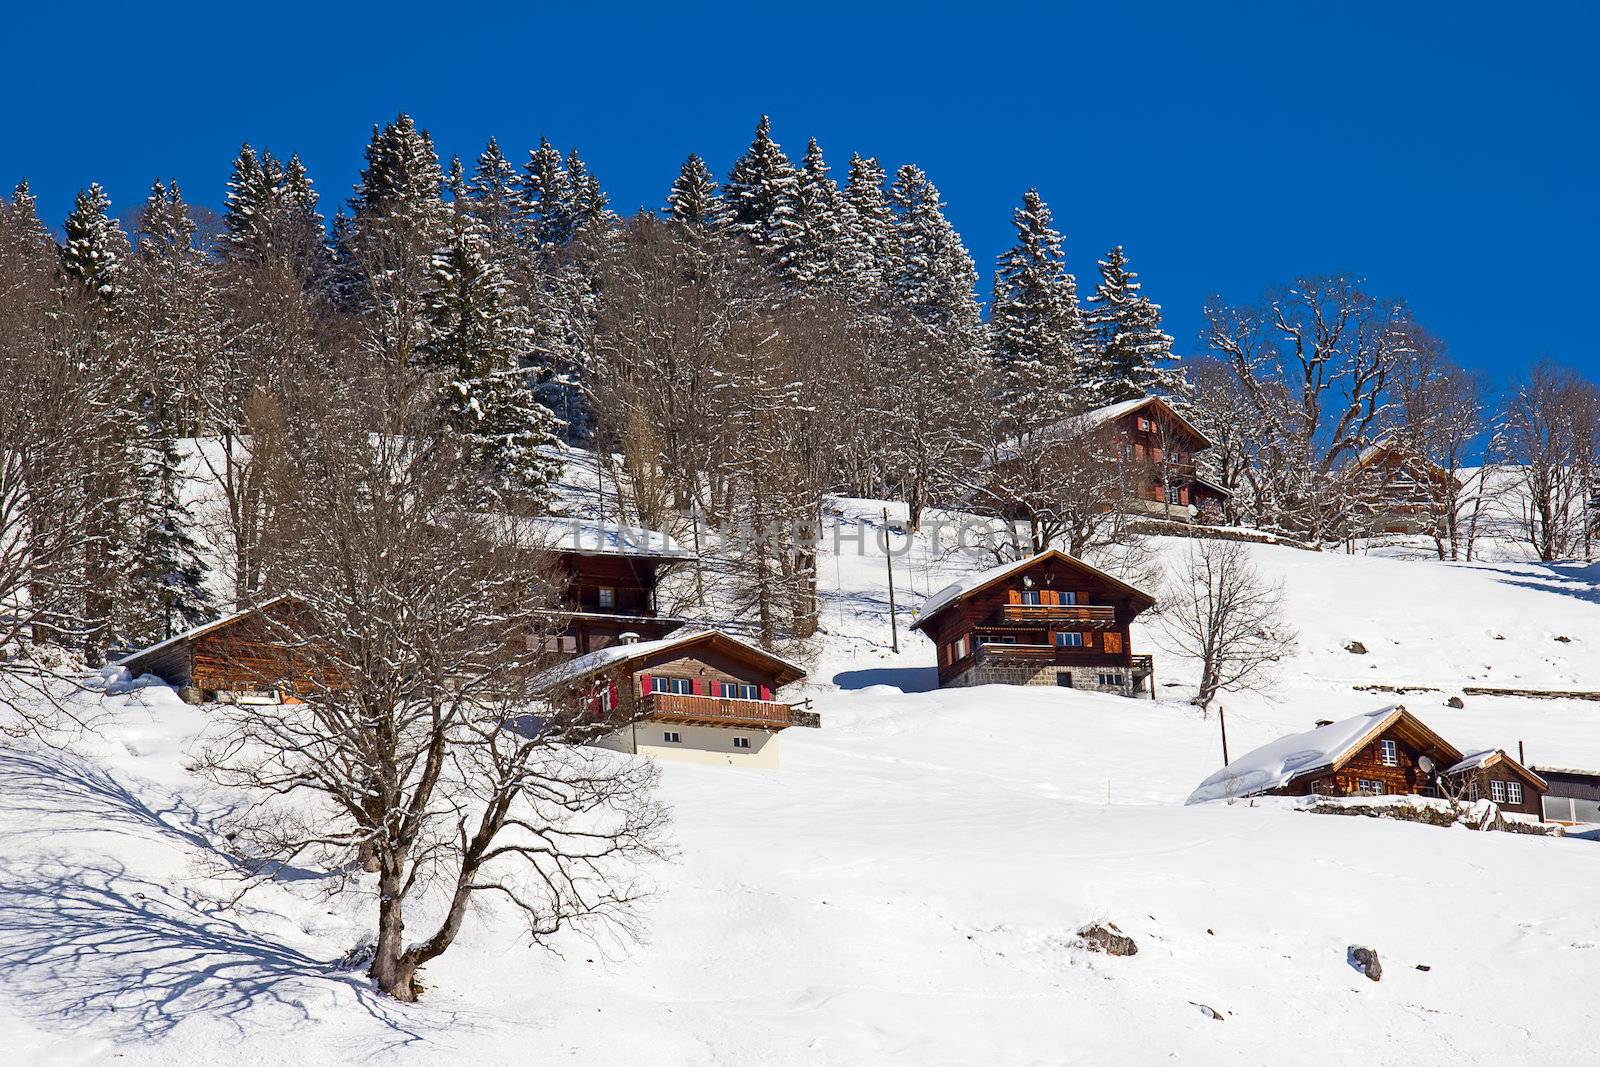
{"x": 1365, "y": 960}
{"x": 1105, "y": 937}
{"x": 1356, "y": 648}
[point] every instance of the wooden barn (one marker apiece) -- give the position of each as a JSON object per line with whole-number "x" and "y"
{"x": 241, "y": 658}
{"x": 1380, "y": 753}
{"x": 1573, "y": 796}
{"x": 1050, "y": 619}
{"x": 704, "y": 697}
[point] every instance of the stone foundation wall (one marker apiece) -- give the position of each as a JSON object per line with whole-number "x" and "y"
{"x": 1119, "y": 680}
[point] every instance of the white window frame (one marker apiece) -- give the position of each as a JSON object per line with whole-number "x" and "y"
{"x": 1388, "y": 753}
{"x": 1497, "y": 791}
{"x": 606, "y": 596}
{"x": 741, "y": 742}
{"x": 1514, "y": 792}
{"x": 1063, "y": 636}
{"x": 1371, "y": 787}
{"x": 671, "y": 737}
{"x": 666, "y": 683}
{"x": 1030, "y": 597}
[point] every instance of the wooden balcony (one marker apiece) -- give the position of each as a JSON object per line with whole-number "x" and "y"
{"x": 1091, "y": 615}
{"x": 717, "y": 711}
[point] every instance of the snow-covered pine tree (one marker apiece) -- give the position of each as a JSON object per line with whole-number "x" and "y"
{"x": 96, "y": 253}
{"x": 497, "y": 202}
{"x": 477, "y": 336}
{"x": 935, "y": 278}
{"x": 398, "y": 222}
{"x": 179, "y": 329}
{"x": 549, "y": 196}
{"x": 302, "y": 232}
{"x": 1036, "y": 328}
{"x": 1130, "y": 347}
{"x": 248, "y": 208}
{"x": 23, "y": 218}
{"x": 167, "y": 590}
{"x": 589, "y": 201}
{"x": 814, "y": 255}
{"x": 693, "y": 199}
{"x": 871, "y": 240}
{"x": 760, "y": 194}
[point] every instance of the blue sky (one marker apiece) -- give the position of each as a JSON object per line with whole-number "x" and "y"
{"x": 1448, "y": 153}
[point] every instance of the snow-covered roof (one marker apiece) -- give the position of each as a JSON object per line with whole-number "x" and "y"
{"x": 973, "y": 582}
{"x": 1080, "y": 424}
{"x": 1473, "y": 761}
{"x": 197, "y": 631}
{"x": 614, "y": 655}
{"x": 1277, "y": 763}
{"x": 592, "y": 537}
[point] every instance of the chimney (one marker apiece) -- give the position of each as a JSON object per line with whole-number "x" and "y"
{"x": 629, "y": 638}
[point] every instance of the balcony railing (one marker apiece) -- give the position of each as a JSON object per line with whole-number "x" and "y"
{"x": 681, "y": 707}
{"x": 1042, "y": 613}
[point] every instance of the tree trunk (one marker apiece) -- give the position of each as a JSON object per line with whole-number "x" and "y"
{"x": 392, "y": 968}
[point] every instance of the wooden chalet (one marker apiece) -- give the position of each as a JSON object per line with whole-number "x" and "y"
{"x": 1403, "y": 489}
{"x": 609, "y": 576}
{"x": 241, "y": 658}
{"x": 1050, "y": 619}
{"x": 1385, "y": 752}
{"x": 1157, "y": 447}
{"x": 704, "y": 696}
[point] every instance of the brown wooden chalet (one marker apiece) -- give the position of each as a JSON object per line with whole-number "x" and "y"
{"x": 1157, "y": 447}
{"x": 242, "y": 658}
{"x": 1403, "y": 489}
{"x": 702, "y": 696}
{"x": 609, "y": 576}
{"x": 1050, "y": 619}
{"x": 1385, "y": 752}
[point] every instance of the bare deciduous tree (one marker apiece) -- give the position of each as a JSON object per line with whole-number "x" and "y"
{"x": 411, "y": 745}
{"x": 1220, "y": 612}
{"x": 1552, "y": 428}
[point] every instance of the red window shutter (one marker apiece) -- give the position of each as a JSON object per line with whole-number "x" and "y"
{"x": 766, "y": 692}
{"x": 644, "y": 685}
{"x": 613, "y": 695}
{"x": 696, "y": 686}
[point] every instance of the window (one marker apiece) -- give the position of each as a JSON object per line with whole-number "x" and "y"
{"x": 998, "y": 639}
{"x": 1318, "y": 785}
{"x": 1029, "y": 596}
{"x": 1069, "y": 639}
{"x": 1514, "y": 792}
{"x": 1067, "y": 596}
{"x": 962, "y": 647}
{"x": 1370, "y": 787}
{"x": 739, "y": 691}
{"x": 1497, "y": 791}
{"x": 1138, "y": 452}
{"x": 608, "y": 596}
{"x": 741, "y": 742}
{"x": 1175, "y": 495}
{"x": 671, "y": 737}
{"x": 1388, "y": 754}
{"x": 1064, "y": 679}
{"x": 1473, "y": 792}
{"x": 1144, "y": 424}
{"x": 1110, "y": 680}
{"x": 661, "y": 684}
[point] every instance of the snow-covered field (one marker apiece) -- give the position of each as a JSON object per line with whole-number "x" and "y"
{"x": 907, "y": 887}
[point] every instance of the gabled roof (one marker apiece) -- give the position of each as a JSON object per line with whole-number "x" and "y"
{"x": 1488, "y": 758}
{"x": 196, "y": 632}
{"x": 1387, "y": 444}
{"x": 965, "y": 587}
{"x": 617, "y": 655}
{"x": 592, "y": 537}
{"x": 1077, "y": 425}
{"x": 1319, "y": 751}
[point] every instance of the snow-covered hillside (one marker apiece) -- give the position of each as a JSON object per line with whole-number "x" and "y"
{"x": 907, "y": 887}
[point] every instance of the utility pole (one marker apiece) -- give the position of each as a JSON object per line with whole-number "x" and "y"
{"x": 1222, "y": 718}
{"x": 888, "y": 559}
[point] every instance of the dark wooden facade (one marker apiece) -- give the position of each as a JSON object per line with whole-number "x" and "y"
{"x": 1573, "y": 794}
{"x": 1402, "y": 490}
{"x": 607, "y": 595}
{"x": 1050, "y": 620}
